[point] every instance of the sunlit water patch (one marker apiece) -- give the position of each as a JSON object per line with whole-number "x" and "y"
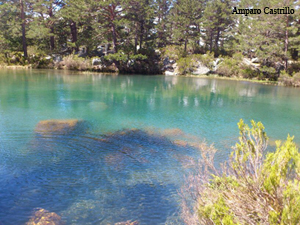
{"x": 129, "y": 159}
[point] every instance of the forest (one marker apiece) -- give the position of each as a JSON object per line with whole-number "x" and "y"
{"x": 149, "y": 36}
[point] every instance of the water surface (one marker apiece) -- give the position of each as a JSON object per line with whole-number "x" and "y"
{"x": 127, "y": 164}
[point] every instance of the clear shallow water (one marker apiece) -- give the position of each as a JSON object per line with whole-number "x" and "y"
{"x": 108, "y": 174}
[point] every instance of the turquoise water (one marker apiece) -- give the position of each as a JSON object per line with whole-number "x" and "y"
{"x": 110, "y": 173}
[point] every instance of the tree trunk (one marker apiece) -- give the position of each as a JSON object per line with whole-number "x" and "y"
{"x": 211, "y": 41}
{"x": 217, "y": 42}
{"x": 286, "y": 44}
{"x": 142, "y": 33}
{"x": 52, "y": 41}
{"x": 114, "y": 33}
{"x": 136, "y": 38}
{"x": 73, "y": 28}
{"x": 23, "y": 29}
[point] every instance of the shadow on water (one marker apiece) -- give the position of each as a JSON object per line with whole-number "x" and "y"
{"x": 95, "y": 179}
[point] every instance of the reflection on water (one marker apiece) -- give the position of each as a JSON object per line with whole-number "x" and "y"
{"x": 130, "y": 162}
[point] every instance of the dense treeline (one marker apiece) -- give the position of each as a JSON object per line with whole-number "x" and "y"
{"x": 145, "y": 31}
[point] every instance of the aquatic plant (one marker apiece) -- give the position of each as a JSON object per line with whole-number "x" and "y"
{"x": 252, "y": 187}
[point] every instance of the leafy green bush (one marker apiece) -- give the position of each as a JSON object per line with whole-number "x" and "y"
{"x": 124, "y": 58}
{"x": 230, "y": 67}
{"x": 15, "y": 58}
{"x": 252, "y": 187}
{"x": 185, "y": 65}
{"x": 40, "y": 60}
{"x": 269, "y": 73}
{"x": 207, "y": 59}
{"x": 189, "y": 63}
{"x": 146, "y": 62}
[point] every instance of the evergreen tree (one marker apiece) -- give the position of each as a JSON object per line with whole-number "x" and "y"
{"x": 267, "y": 36}
{"x": 42, "y": 26}
{"x": 162, "y": 16}
{"x": 186, "y": 15}
{"x": 217, "y": 21}
{"x": 13, "y": 23}
{"x": 140, "y": 21}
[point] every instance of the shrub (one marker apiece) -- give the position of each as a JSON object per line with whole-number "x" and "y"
{"x": 294, "y": 67}
{"x": 231, "y": 66}
{"x": 73, "y": 62}
{"x": 146, "y": 62}
{"x": 248, "y": 72}
{"x": 296, "y": 79}
{"x": 207, "y": 59}
{"x": 252, "y": 187}
{"x": 189, "y": 63}
{"x": 173, "y": 52}
{"x": 3, "y": 60}
{"x": 288, "y": 80}
{"x": 15, "y": 58}
{"x": 185, "y": 65}
{"x": 269, "y": 72}
{"x": 40, "y": 60}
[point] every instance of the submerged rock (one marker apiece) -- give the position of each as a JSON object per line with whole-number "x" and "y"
{"x": 129, "y": 222}
{"x": 44, "y": 217}
{"x": 69, "y": 126}
{"x": 98, "y": 106}
{"x": 172, "y": 132}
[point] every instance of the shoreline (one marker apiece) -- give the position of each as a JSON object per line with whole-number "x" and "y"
{"x": 215, "y": 76}
{"x": 211, "y": 76}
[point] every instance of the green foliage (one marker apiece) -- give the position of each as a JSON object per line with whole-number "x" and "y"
{"x": 230, "y": 66}
{"x": 185, "y": 17}
{"x": 15, "y": 58}
{"x": 235, "y": 67}
{"x": 218, "y": 212}
{"x": 144, "y": 63}
{"x": 174, "y": 52}
{"x": 248, "y": 72}
{"x": 185, "y": 65}
{"x": 217, "y": 20}
{"x": 121, "y": 57}
{"x": 252, "y": 187}
{"x": 177, "y": 27}
{"x": 207, "y": 59}
{"x": 294, "y": 67}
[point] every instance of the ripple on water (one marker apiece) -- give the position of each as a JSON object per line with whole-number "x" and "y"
{"x": 100, "y": 178}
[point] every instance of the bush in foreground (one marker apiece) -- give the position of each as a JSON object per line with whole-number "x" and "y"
{"x": 252, "y": 187}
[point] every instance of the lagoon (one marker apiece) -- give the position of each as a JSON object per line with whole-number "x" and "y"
{"x": 130, "y": 161}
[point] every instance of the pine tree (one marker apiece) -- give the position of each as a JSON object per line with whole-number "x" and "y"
{"x": 217, "y": 21}
{"x": 186, "y": 15}
{"x": 267, "y": 36}
{"x": 42, "y": 26}
{"x": 162, "y": 15}
{"x": 13, "y": 21}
